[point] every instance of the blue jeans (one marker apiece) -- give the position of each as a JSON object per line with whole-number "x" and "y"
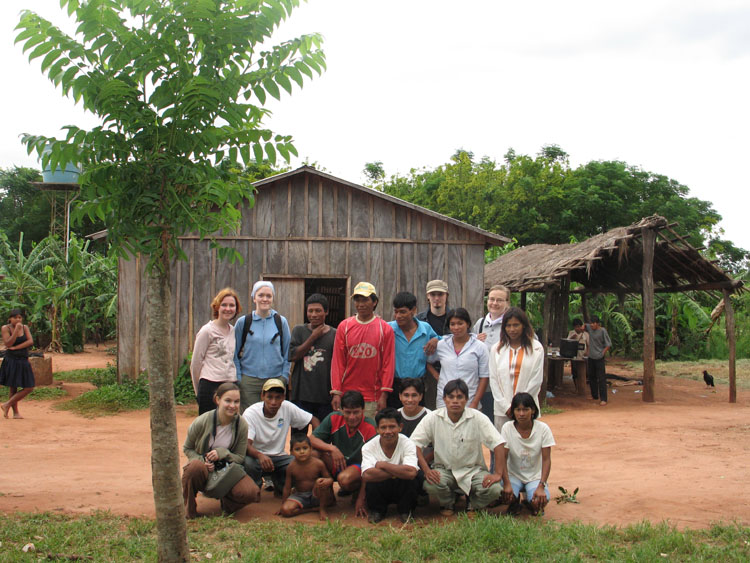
{"x": 278, "y": 475}
{"x": 529, "y": 487}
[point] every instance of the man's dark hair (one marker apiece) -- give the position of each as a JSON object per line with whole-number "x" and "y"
{"x": 352, "y": 400}
{"x": 596, "y": 319}
{"x": 405, "y": 299}
{"x": 389, "y": 413}
{"x": 317, "y": 298}
{"x": 415, "y": 382}
{"x": 298, "y": 438}
{"x": 456, "y": 385}
{"x": 577, "y": 322}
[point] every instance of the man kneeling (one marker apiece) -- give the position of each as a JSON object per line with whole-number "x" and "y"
{"x": 389, "y": 468}
{"x": 458, "y": 434}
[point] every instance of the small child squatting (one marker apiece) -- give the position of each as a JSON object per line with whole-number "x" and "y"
{"x": 313, "y": 485}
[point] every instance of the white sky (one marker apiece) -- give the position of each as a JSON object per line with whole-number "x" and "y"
{"x": 663, "y": 84}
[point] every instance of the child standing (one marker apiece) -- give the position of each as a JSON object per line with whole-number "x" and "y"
{"x": 313, "y": 486}
{"x": 528, "y": 444}
{"x": 15, "y": 370}
{"x": 599, "y": 345}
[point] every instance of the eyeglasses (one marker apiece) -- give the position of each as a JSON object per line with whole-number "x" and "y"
{"x": 494, "y": 300}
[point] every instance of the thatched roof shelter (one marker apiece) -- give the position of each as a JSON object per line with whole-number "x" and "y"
{"x": 646, "y": 257}
{"x": 611, "y": 262}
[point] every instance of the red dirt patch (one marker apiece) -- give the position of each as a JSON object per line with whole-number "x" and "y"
{"x": 682, "y": 459}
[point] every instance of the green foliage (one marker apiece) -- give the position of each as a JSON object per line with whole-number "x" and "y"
{"x": 179, "y": 88}
{"x": 110, "y": 398}
{"x": 103, "y": 536}
{"x": 67, "y": 300}
{"x": 566, "y": 496}
{"x": 184, "y": 394}
{"x": 97, "y": 376}
{"x": 544, "y": 200}
{"x": 39, "y": 394}
{"x": 24, "y": 208}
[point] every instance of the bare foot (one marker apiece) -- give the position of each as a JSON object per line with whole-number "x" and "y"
{"x": 603, "y": 404}
{"x": 5, "y": 408}
{"x": 323, "y": 515}
{"x": 17, "y": 415}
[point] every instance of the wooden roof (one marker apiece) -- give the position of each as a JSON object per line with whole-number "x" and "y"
{"x": 610, "y": 262}
{"x": 491, "y": 239}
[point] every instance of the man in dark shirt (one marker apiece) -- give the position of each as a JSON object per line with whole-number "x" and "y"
{"x": 311, "y": 349}
{"x": 435, "y": 315}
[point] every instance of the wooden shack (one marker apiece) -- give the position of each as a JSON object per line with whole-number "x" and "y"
{"x": 311, "y": 232}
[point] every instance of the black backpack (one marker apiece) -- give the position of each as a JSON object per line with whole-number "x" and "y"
{"x": 246, "y": 330}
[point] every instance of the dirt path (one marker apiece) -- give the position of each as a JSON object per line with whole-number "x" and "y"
{"x": 683, "y": 459}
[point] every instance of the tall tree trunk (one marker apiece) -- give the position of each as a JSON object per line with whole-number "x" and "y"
{"x": 165, "y": 459}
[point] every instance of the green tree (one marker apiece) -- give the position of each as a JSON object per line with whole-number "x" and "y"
{"x": 24, "y": 208}
{"x": 179, "y": 86}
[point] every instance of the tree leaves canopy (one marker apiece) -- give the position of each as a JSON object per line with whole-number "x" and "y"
{"x": 543, "y": 200}
{"x": 179, "y": 86}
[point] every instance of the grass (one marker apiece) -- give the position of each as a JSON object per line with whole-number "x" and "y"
{"x": 108, "y": 398}
{"x": 105, "y": 537}
{"x": 694, "y": 370}
{"x": 551, "y": 410}
{"x": 39, "y": 394}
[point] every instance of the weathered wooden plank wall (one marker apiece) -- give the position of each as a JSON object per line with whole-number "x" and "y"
{"x": 306, "y": 225}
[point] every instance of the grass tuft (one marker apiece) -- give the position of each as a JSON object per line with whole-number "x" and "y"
{"x": 39, "y": 394}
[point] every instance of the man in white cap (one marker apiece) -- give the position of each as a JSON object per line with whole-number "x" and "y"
{"x": 363, "y": 354}
{"x": 435, "y": 315}
{"x": 268, "y": 424}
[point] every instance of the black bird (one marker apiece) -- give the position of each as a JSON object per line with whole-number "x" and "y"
{"x": 708, "y": 378}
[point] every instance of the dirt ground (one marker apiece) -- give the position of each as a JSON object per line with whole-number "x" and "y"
{"x": 683, "y": 459}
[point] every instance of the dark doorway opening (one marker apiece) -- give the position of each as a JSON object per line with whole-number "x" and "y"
{"x": 335, "y": 291}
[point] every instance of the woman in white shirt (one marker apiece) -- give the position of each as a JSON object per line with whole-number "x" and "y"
{"x": 213, "y": 352}
{"x": 516, "y": 364}
{"x": 528, "y": 446}
{"x": 462, "y": 356}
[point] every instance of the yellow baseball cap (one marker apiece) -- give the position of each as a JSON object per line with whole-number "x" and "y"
{"x": 273, "y": 383}
{"x": 364, "y": 289}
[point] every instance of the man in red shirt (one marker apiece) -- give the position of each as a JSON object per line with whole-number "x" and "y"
{"x": 363, "y": 354}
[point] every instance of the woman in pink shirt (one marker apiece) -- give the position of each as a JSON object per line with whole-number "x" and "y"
{"x": 213, "y": 352}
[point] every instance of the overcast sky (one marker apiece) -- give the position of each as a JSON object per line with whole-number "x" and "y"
{"x": 662, "y": 84}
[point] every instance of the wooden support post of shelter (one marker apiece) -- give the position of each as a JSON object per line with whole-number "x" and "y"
{"x": 549, "y": 297}
{"x": 731, "y": 337}
{"x": 648, "y": 236}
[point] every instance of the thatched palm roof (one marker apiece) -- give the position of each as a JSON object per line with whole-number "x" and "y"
{"x": 610, "y": 262}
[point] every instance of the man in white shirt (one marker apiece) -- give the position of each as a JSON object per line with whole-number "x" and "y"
{"x": 458, "y": 434}
{"x": 389, "y": 469}
{"x": 268, "y": 425}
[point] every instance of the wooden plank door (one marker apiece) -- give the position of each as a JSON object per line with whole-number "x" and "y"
{"x": 289, "y": 299}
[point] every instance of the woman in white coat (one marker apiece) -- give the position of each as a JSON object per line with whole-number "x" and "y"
{"x": 516, "y": 364}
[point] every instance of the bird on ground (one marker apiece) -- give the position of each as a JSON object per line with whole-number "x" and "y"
{"x": 708, "y": 378}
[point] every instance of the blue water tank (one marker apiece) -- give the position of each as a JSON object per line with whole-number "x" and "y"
{"x": 69, "y": 175}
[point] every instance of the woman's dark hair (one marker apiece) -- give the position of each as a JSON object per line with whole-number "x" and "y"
{"x": 458, "y": 313}
{"x": 223, "y": 388}
{"x": 523, "y": 400}
{"x": 352, "y": 400}
{"x": 456, "y": 385}
{"x": 15, "y": 313}
{"x": 527, "y": 336}
{"x": 415, "y": 382}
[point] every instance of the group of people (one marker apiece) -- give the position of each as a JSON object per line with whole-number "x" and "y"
{"x": 390, "y": 411}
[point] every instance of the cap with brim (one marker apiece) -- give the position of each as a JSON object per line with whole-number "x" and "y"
{"x": 437, "y": 285}
{"x": 273, "y": 384}
{"x": 364, "y": 289}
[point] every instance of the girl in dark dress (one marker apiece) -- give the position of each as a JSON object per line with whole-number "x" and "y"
{"x": 15, "y": 371}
